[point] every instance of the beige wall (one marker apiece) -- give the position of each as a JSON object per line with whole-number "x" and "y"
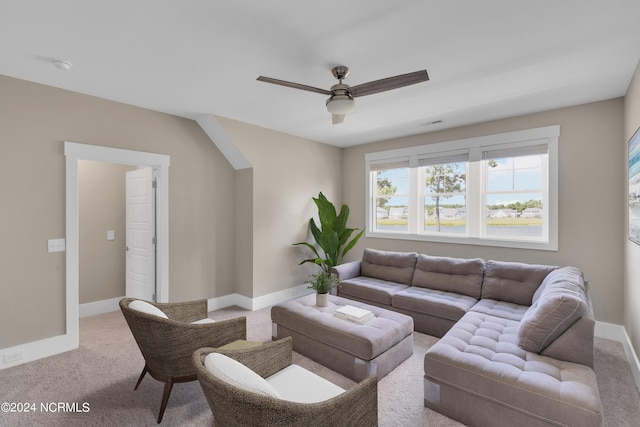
{"x": 101, "y": 194}
{"x": 591, "y": 205}
{"x": 287, "y": 172}
{"x": 632, "y": 251}
{"x": 244, "y": 232}
{"x": 35, "y": 122}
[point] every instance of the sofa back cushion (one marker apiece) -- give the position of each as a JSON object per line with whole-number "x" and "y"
{"x": 513, "y": 281}
{"x": 458, "y": 275}
{"x": 562, "y": 300}
{"x": 391, "y": 266}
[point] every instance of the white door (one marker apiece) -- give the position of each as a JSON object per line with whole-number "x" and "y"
{"x": 140, "y": 246}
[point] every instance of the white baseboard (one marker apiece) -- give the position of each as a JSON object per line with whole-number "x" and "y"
{"x": 109, "y": 305}
{"x": 257, "y": 303}
{"x": 99, "y": 307}
{"x": 28, "y": 352}
{"x": 619, "y": 333}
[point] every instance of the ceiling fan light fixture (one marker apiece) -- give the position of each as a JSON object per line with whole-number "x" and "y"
{"x": 340, "y": 104}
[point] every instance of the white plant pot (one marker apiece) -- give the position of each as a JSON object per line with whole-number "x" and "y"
{"x": 322, "y": 300}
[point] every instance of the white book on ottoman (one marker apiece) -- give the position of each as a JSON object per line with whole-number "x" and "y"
{"x": 353, "y": 314}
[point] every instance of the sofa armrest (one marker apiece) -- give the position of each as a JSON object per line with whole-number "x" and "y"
{"x": 347, "y": 270}
{"x": 576, "y": 344}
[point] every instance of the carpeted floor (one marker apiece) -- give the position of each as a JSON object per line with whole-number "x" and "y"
{"x": 96, "y": 381}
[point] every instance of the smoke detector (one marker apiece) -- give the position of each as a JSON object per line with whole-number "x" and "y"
{"x": 63, "y": 65}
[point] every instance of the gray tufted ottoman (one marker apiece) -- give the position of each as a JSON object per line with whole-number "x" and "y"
{"x": 479, "y": 375}
{"x": 355, "y": 351}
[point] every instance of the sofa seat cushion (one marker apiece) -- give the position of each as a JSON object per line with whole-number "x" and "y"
{"x": 514, "y": 282}
{"x": 560, "y": 303}
{"x": 395, "y": 267}
{"x": 447, "y": 305}
{"x": 462, "y": 276}
{"x": 370, "y": 289}
{"x": 506, "y": 310}
{"x": 480, "y": 355}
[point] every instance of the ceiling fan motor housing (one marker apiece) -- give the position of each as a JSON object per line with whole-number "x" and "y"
{"x": 341, "y": 101}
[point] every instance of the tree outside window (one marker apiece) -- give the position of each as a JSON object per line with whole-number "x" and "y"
{"x": 445, "y": 187}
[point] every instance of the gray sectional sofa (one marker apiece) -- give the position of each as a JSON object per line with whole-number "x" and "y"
{"x": 516, "y": 343}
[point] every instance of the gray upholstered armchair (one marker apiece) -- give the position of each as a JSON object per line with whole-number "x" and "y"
{"x": 167, "y": 337}
{"x": 274, "y": 397}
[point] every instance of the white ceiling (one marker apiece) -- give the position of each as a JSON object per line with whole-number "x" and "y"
{"x": 486, "y": 59}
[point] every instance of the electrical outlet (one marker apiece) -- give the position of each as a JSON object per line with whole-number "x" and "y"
{"x": 56, "y": 245}
{"x": 13, "y": 357}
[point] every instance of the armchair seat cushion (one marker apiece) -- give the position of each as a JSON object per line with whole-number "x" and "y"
{"x": 235, "y": 373}
{"x": 296, "y": 384}
{"x": 293, "y": 383}
{"x": 145, "y": 307}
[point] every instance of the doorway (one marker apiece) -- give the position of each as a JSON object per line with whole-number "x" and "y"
{"x": 158, "y": 162}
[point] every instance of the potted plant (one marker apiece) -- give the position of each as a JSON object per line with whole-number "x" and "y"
{"x": 322, "y": 284}
{"x": 333, "y": 238}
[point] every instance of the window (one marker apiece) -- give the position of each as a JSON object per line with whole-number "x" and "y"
{"x": 444, "y": 193}
{"x": 392, "y": 197}
{"x": 498, "y": 190}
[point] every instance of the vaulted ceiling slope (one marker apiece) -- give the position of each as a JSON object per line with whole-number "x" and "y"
{"x": 486, "y": 59}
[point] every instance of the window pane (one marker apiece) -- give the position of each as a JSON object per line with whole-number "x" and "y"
{"x": 515, "y": 215}
{"x": 445, "y": 198}
{"x": 527, "y": 179}
{"x": 514, "y": 174}
{"x": 445, "y": 217}
{"x": 499, "y": 174}
{"x": 391, "y": 199}
{"x": 499, "y": 180}
{"x": 514, "y": 197}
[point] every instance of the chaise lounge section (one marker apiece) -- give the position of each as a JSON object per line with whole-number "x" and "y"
{"x": 516, "y": 339}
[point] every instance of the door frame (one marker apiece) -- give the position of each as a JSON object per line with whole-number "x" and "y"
{"x": 160, "y": 163}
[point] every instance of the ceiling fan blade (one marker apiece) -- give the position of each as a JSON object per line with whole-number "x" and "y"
{"x": 337, "y": 118}
{"x": 389, "y": 83}
{"x": 293, "y": 85}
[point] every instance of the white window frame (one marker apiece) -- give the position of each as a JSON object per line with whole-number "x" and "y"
{"x": 548, "y": 135}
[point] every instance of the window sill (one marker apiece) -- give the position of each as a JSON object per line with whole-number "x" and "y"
{"x": 519, "y": 244}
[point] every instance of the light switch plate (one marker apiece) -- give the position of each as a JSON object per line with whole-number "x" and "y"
{"x": 111, "y": 235}
{"x": 56, "y": 245}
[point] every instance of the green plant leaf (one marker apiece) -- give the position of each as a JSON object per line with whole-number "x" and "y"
{"x": 315, "y": 231}
{"x": 352, "y": 243}
{"x": 340, "y": 223}
{"x": 310, "y": 246}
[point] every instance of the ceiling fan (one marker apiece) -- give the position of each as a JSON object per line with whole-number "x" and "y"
{"x": 341, "y": 96}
